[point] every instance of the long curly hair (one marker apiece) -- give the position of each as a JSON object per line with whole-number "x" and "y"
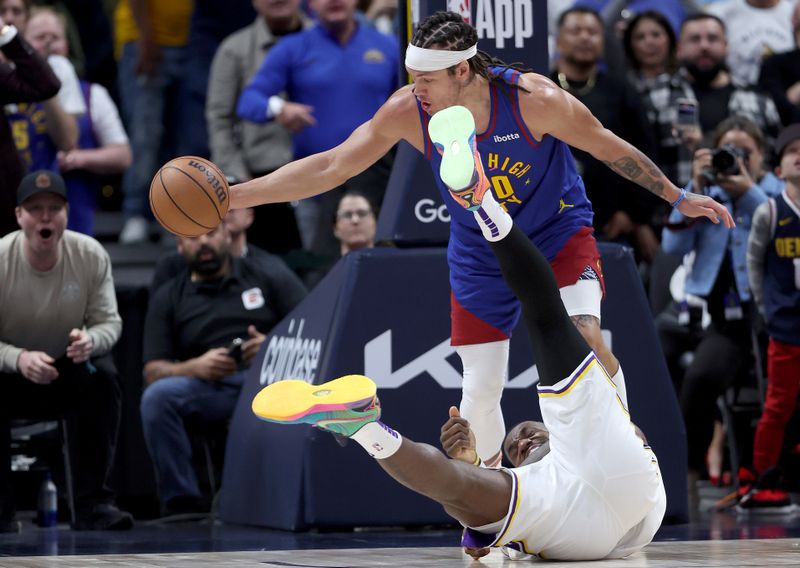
{"x": 448, "y": 30}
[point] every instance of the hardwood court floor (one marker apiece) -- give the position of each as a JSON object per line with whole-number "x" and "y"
{"x": 773, "y": 552}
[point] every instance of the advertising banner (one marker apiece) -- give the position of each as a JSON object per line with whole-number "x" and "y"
{"x": 385, "y": 313}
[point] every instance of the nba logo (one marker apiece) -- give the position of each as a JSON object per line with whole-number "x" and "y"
{"x": 461, "y": 7}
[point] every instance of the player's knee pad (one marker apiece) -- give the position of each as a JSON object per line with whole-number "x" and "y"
{"x": 485, "y": 370}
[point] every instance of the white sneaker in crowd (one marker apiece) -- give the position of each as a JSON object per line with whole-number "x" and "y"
{"x": 135, "y": 230}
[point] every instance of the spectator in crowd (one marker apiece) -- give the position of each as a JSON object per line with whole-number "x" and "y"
{"x": 337, "y": 64}
{"x": 62, "y": 128}
{"x": 780, "y": 76}
{"x": 238, "y": 221}
{"x": 243, "y": 149}
{"x": 211, "y": 22}
{"x": 621, "y": 210}
{"x": 617, "y": 14}
{"x": 43, "y": 129}
{"x": 772, "y": 264}
{"x": 702, "y": 49}
{"x": 718, "y": 276}
{"x": 650, "y": 48}
{"x": 102, "y": 148}
{"x": 192, "y": 368}
{"x": 24, "y": 77}
{"x": 69, "y": 96}
{"x": 354, "y": 227}
{"x": 756, "y": 29}
{"x": 59, "y": 324}
{"x": 151, "y": 40}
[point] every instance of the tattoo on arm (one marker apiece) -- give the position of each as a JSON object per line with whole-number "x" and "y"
{"x": 585, "y": 320}
{"x": 641, "y": 169}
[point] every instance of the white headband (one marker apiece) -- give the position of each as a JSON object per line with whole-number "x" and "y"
{"x": 422, "y": 59}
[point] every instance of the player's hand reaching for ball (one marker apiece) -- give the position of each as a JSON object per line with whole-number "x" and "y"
{"x": 458, "y": 440}
{"x": 252, "y": 345}
{"x": 213, "y": 365}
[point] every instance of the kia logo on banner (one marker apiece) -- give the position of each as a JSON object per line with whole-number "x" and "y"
{"x": 378, "y": 365}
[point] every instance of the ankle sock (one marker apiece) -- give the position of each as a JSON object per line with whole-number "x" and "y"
{"x": 494, "y": 221}
{"x": 378, "y": 439}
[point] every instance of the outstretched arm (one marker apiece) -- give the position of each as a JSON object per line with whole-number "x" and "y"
{"x": 397, "y": 119}
{"x": 550, "y": 110}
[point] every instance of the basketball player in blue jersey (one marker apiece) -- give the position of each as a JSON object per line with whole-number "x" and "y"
{"x": 524, "y": 123}
{"x": 584, "y": 485}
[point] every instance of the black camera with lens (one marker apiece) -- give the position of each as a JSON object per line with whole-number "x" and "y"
{"x": 725, "y": 162}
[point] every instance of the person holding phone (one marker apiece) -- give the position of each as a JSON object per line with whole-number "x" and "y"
{"x": 202, "y": 331}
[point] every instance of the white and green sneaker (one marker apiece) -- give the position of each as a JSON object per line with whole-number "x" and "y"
{"x": 452, "y": 132}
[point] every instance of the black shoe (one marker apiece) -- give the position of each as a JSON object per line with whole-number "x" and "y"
{"x": 104, "y": 517}
{"x": 185, "y": 505}
{"x": 11, "y": 526}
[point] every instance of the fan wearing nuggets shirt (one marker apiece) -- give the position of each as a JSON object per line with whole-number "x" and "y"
{"x": 190, "y": 325}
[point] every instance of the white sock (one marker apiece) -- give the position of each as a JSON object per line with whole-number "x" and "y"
{"x": 494, "y": 221}
{"x": 619, "y": 381}
{"x": 378, "y": 439}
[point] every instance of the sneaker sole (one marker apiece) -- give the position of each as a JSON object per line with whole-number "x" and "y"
{"x": 297, "y": 402}
{"x": 767, "y": 510}
{"x": 452, "y": 130}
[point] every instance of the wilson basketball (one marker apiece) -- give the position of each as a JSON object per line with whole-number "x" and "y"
{"x": 189, "y": 196}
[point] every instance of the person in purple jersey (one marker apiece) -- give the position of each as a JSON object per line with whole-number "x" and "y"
{"x": 537, "y": 184}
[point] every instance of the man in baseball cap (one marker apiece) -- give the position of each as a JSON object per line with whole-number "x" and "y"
{"x": 42, "y": 181}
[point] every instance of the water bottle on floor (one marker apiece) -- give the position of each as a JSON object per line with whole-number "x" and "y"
{"x": 47, "y": 515}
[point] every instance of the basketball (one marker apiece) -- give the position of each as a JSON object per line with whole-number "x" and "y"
{"x": 189, "y": 196}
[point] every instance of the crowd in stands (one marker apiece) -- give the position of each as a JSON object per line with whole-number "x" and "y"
{"x": 709, "y": 90}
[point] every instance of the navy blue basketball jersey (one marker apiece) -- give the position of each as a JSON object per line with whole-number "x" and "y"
{"x": 782, "y": 272}
{"x": 534, "y": 180}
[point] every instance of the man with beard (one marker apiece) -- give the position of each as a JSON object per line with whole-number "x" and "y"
{"x": 702, "y": 49}
{"x": 192, "y": 368}
{"x": 238, "y": 222}
{"x": 59, "y": 322}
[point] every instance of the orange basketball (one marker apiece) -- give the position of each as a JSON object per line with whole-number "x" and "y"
{"x": 189, "y": 196}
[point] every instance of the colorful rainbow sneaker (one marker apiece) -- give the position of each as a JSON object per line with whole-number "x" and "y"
{"x": 341, "y": 406}
{"x": 452, "y": 131}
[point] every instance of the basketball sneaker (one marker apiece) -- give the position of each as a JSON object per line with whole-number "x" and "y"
{"x": 342, "y": 406}
{"x": 765, "y": 496}
{"x": 452, "y": 132}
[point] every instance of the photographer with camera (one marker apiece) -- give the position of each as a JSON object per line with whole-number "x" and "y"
{"x": 733, "y": 174}
{"x": 202, "y": 331}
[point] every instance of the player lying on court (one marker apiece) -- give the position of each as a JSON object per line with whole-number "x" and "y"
{"x": 584, "y": 485}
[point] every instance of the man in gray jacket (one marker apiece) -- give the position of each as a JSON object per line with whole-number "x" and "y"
{"x": 242, "y": 149}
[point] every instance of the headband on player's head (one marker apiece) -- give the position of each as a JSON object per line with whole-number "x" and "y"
{"x": 423, "y": 59}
